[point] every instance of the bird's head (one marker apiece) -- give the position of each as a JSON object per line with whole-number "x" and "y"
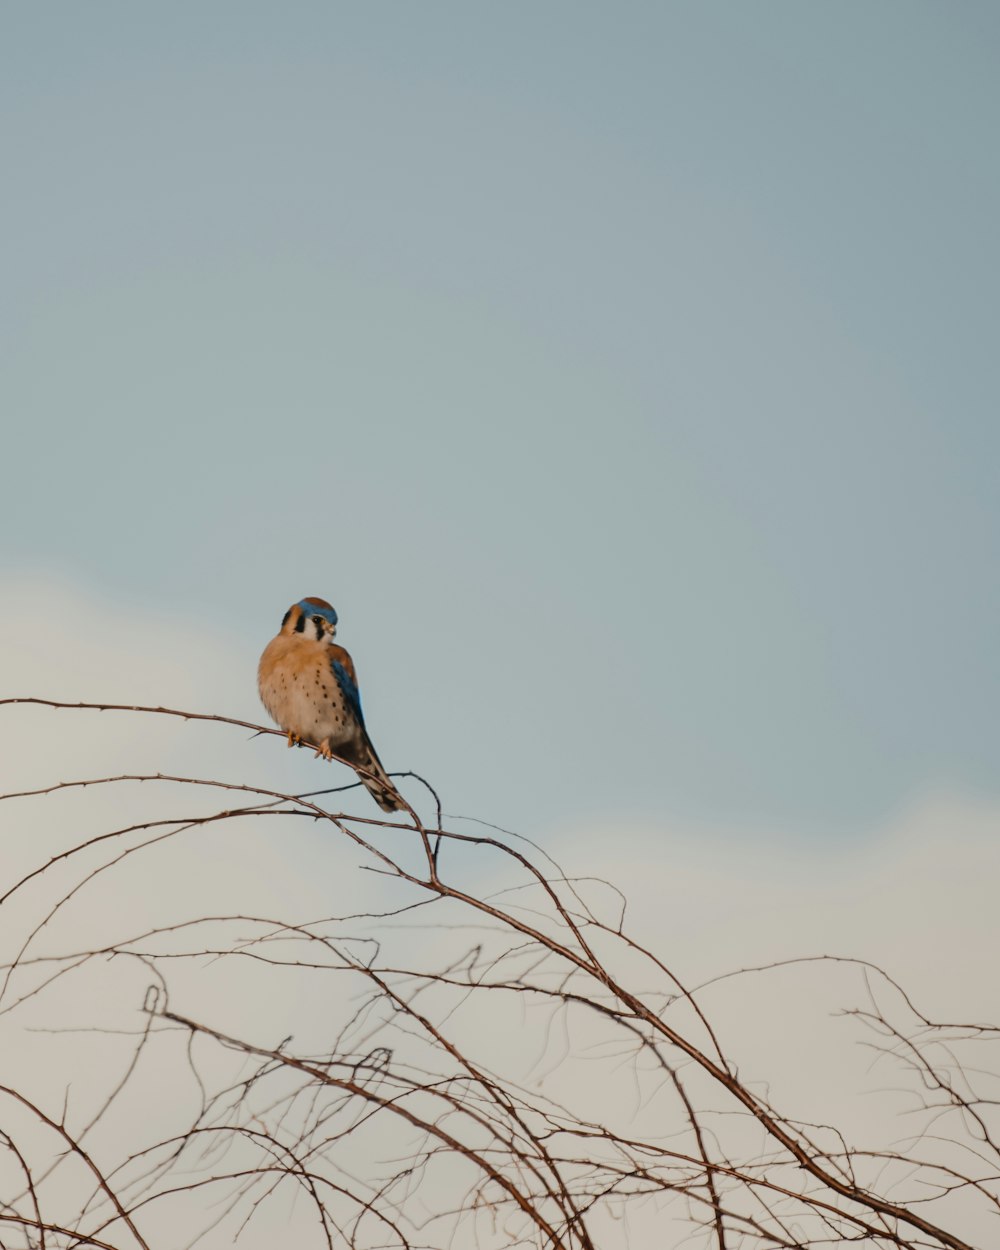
{"x": 311, "y": 618}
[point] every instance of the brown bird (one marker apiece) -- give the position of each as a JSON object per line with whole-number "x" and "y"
{"x": 309, "y": 687}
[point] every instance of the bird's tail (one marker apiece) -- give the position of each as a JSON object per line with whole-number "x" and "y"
{"x": 376, "y": 781}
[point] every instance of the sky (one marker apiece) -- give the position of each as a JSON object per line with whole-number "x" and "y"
{"x": 625, "y": 375}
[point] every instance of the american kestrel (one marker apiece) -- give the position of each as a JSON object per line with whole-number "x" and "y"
{"x": 308, "y": 685}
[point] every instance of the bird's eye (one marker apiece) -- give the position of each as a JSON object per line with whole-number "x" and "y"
{"x": 318, "y": 622}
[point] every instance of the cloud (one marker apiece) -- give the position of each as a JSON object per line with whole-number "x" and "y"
{"x": 916, "y": 897}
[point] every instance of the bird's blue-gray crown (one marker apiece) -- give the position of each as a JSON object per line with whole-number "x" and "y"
{"x": 318, "y": 607}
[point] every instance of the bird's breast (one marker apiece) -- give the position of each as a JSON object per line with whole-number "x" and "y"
{"x": 301, "y": 693}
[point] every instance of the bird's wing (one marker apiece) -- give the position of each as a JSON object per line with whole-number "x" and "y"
{"x": 343, "y": 670}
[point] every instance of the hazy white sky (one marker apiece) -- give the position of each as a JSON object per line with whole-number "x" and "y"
{"x": 918, "y": 896}
{"x": 625, "y": 375}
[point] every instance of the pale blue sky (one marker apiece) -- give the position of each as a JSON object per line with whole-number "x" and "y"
{"x": 626, "y": 375}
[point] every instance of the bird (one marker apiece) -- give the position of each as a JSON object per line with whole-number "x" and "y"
{"x": 310, "y": 689}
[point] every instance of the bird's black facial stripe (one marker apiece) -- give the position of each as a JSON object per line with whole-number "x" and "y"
{"x": 300, "y": 624}
{"x": 284, "y": 619}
